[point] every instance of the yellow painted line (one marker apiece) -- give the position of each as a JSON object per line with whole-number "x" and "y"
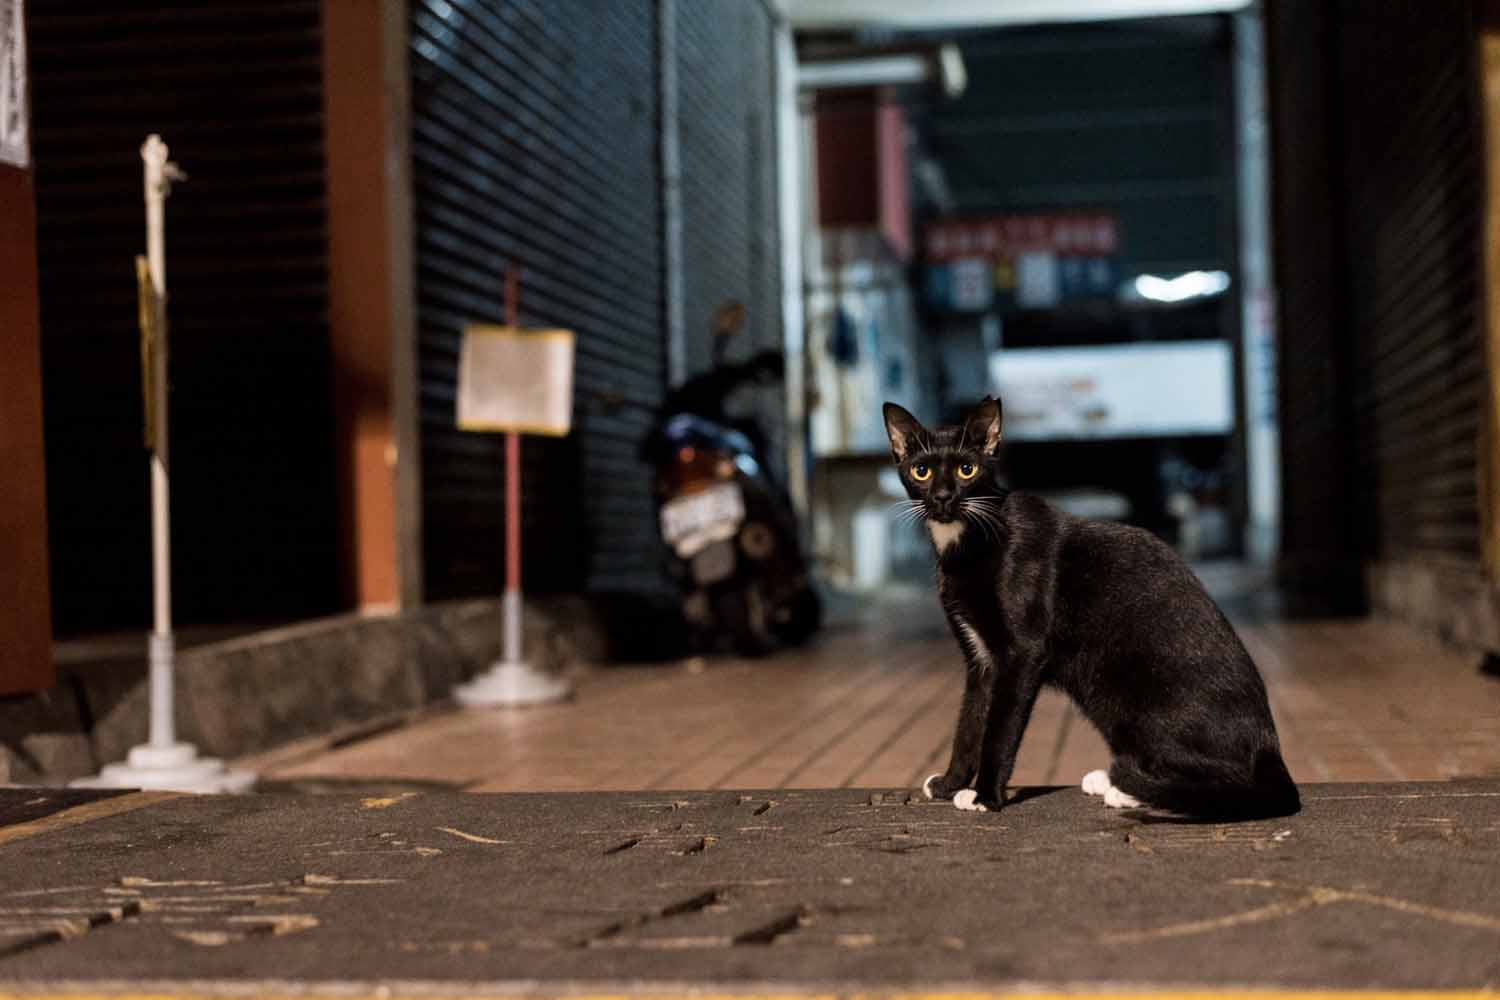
{"x": 385, "y": 801}
{"x": 246, "y": 991}
{"x": 86, "y": 813}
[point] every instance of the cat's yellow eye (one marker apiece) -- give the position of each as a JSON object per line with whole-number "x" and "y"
{"x": 921, "y": 473}
{"x": 968, "y": 470}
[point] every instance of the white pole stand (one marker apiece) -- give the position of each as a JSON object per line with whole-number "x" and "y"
{"x": 163, "y": 763}
{"x": 512, "y": 680}
{"x": 176, "y": 768}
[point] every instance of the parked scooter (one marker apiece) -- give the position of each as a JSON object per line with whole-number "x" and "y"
{"x": 731, "y": 534}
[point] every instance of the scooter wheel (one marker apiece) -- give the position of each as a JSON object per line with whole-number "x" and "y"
{"x": 742, "y": 613}
{"x": 803, "y": 615}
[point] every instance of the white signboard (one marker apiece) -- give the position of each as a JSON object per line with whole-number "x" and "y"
{"x": 973, "y": 284}
{"x": 514, "y": 380}
{"x": 1038, "y": 280}
{"x": 1118, "y": 390}
{"x": 14, "y": 146}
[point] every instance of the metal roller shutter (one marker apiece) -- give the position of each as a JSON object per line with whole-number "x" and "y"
{"x": 726, "y": 131}
{"x": 534, "y": 137}
{"x": 235, "y": 90}
{"x": 1415, "y": 181}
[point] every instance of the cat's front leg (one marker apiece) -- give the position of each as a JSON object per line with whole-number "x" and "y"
{"x": 1010, "y": 708}
{"x": 968, "y": 738}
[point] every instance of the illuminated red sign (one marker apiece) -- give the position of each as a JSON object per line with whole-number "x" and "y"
{"x": 1071, "y": 233}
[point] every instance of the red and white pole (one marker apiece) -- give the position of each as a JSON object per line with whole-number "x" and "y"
{"x": 512, "y": 680}
{"x": 512, "y": 599}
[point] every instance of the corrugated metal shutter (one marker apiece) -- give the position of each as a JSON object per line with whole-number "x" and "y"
{"x": 534, "y": 137}
{"x": 235, "y": 90}
{"x": 1320, "y": 558}
{"x": 1412, "y": 149}
{"x": 726, "y": 129}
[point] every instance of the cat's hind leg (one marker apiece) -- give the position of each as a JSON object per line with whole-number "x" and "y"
{"x": 1197, "y": 785}
{"x": 1098, "y": 783}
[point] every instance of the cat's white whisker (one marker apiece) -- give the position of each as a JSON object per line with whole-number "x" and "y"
{"x": 987, "y": 521}
{"x": 976, "y": 518}
{"x": 911, "y": 513}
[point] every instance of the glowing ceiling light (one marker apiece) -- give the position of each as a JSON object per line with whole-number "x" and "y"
{"x": 1191, "y": 285}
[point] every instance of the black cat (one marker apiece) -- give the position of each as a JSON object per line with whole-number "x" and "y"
{"x": 1106, "y": 612}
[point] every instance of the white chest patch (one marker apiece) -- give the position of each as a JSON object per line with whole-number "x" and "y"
{"x": 944, "y": 535}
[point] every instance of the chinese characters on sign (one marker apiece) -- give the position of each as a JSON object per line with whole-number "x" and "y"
{"x": 1082, "y": 233}
{"x": 1033, "y": 260}
{"x": 14, "y": 148}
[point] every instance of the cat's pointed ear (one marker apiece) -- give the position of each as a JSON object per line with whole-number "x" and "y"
{"x": 904, "y": 431}
{"x": 982, "y": 426}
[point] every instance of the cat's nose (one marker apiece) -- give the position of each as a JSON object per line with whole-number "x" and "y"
{"x": 942, "y": 494}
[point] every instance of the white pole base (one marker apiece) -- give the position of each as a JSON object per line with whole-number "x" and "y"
{"x": 512, "y": 683}
{"x": 173, "y": 768}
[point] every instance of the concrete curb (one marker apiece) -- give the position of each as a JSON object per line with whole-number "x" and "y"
{"x": 248, "y": 694}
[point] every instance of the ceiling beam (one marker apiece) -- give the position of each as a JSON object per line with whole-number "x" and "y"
{"x": 1094, "y": 192}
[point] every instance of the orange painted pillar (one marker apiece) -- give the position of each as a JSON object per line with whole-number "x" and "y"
{"x": 25, "y": 594}
{"x": 364, "y": 323}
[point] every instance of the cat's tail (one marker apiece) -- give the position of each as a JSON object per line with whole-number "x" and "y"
{"x": 1269, "y": 793}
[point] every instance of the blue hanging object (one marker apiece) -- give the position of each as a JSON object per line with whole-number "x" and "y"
{"x": 843, "y": 344}
{"x": 895, "y": 375}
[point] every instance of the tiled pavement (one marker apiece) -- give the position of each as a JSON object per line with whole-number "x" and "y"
{"x": 873, "y": 704}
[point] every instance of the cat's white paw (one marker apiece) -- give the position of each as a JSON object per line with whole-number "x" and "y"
{"x": 968, "y": 800}
{"x": 927, "y": 785}
{"x": 1095, "y": 783}
{"x": 1116, "y": 799}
